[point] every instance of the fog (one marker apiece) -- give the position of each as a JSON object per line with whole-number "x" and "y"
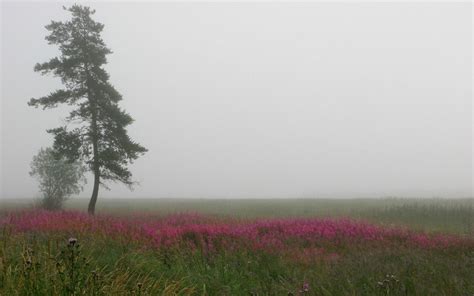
{"x": 259, "y": 100}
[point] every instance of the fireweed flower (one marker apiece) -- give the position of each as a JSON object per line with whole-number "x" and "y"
{"x": 300, "y": 239}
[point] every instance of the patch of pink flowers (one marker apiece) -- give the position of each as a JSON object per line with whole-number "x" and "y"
{"x": 312, "y": 237}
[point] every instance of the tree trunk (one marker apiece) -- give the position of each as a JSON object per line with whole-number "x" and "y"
{"x": 95, "y": 149}
{"x": 95, "y": 193}
{"x": 96, "y": 168}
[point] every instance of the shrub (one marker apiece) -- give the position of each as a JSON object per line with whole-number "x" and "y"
{"x": 58, "y": 178}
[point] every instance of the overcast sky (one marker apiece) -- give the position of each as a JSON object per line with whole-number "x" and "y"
{"x": 264, "y": 99}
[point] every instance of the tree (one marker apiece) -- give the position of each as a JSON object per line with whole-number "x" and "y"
{"x": 99, "y": 137}
{"x": 58, "y": 178}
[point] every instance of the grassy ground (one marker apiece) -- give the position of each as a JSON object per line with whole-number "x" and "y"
{"x": 439, "y": 215}
{"x": 39, "y": 260}
{"x": 113, "y": 268}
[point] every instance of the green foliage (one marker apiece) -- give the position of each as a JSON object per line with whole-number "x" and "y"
{"x": 50, "y": 265}
{"x": 58, "y": 178}
{"x": 54, "y": 266}
{"x": 123, "y": 266}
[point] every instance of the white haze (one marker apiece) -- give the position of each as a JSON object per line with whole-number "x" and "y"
{"x": 275, "y": 99}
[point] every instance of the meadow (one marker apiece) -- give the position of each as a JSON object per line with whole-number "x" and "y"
{"x": 239, "y": 247}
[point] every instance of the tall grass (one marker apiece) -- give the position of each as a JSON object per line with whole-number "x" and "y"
{"x": 442, "y": 215}
{"x": 70, "y": 253}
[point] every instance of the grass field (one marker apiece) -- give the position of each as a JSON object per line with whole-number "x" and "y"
{"x": 240, "y": 247}
{"x": 445, "y": 215}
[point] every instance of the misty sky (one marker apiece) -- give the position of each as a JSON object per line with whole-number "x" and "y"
{"x": 264, "y": 99}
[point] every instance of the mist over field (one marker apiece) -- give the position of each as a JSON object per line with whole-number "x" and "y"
{"x": 264, "y": 100}
{"x": 273, "y": 148}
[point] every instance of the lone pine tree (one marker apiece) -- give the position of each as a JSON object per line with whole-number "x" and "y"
{"x": 99, "y": 137}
